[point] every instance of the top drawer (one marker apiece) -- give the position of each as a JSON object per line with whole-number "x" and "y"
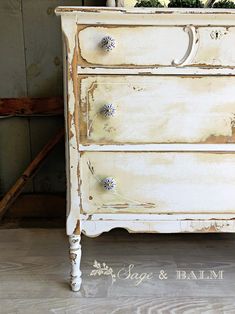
{"x": 155, "y": 46}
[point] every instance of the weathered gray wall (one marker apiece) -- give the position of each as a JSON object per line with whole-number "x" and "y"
{"x": 31, "y": 65}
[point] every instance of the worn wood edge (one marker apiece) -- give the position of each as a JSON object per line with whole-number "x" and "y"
{"x": 95, "y": 228}
{"x": 164, "y": 148}
{"x": 70, "y": 62}
{"x": 31, "y": 106}
{"x": 153, "y": 16}
{"x": 158, "y": 216}
{"x": 74, "y": 9}
{"x": 156, "y": 70}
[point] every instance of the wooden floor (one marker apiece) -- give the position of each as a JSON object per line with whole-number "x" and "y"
{"x": 34, "y": 271}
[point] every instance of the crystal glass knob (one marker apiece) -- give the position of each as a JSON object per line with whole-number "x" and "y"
{"x": 108, "y": 43}
{"x": 108, "y": 110}
{"x": 109, "y": 184}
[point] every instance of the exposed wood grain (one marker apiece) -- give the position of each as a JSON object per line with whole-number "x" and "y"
{"x": 30, "y": 171}
{"x": 125, "y": 305}
{"x": 31, "y": 106}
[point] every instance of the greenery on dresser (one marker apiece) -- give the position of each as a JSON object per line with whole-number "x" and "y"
{"x": 186, "y": 4}
{"x": 149, "y": 3}
{"x": 224, "y": 4}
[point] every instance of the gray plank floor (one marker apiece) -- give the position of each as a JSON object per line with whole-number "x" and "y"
{"x": 34, "y": 272}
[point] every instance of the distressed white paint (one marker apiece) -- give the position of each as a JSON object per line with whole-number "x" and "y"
{"x": 160, "y": 187}
{"x": 157, "y": 217}
{"x": 95, "y": 228}
{"x": 130, "y": 44}
{"x": 193, "y": 36}
{"x": 159, "y": 148}
{"x": 158, "y": 182}
{"x": 187, "y": 70}
{"x": 132, "y": 41}
{"x": 75, "y": 257}
{"x": 158, "y": 71}
{"x": 150, "y": 16}
{"x": 201, "y": 110}
{"x": 73, "y": 200}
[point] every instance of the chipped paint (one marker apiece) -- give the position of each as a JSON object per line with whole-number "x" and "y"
{"x": 213, "y": 53}
{"x": 202, "y": 110}
{"x": 95, "y": 228}
{"x": 75, "y": 257}
{"x": 71, "y": 112}
{"x": 177, "y": 11}
{"x": 165, "y": 183}
{"x": 159, "y": 182}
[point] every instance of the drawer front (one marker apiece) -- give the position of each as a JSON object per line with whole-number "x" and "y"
{"x": 157, "y": 109}
{"x": 150, "y": 46}
{"x": 157, "y": 182}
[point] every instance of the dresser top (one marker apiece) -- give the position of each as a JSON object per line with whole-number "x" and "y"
{"x": 148, "y": 16}
{"x": 119, "y": 10}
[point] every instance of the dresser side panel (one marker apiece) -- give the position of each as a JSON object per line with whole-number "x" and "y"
{"x": 69, "y": 29}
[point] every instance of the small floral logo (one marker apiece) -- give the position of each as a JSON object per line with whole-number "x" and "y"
{"x": 103, "y": 269}
{"x": 128, "y": 272}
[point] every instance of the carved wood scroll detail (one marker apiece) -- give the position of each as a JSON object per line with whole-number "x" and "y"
{"x": 192, "y": 47}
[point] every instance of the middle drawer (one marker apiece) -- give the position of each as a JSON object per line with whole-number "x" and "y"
{"x": 157, "y": 109}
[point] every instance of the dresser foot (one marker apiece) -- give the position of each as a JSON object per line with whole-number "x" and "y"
{"x": 75, "y": 257}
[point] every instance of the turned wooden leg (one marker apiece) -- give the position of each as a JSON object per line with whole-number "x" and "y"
{"x": 75, "y": 256}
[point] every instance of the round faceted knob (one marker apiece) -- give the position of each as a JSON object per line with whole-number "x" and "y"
{"x": 108, "y": 110}
{"x": 108, "y": 43}
{"x": 109, "y": 184}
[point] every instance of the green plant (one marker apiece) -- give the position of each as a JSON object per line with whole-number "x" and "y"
{"x": 185, "y": 4}
{"x": 149, "y": 3}
{"x": 224, "y": 4}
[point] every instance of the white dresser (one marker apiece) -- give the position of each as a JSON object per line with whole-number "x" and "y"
{"x": 150, "y": 120}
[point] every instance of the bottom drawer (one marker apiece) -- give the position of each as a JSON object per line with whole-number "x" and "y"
{"x": 153, "y": 182}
